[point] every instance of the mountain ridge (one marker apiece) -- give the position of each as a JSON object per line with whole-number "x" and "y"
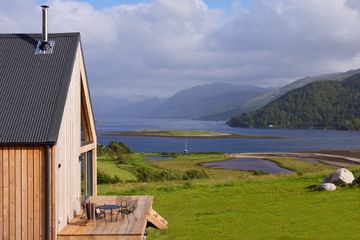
{"x": 191, "y": 103}
{"x": 326, "y": 104}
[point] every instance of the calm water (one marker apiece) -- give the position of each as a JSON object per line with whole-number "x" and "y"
{"x": 295, "y": 140}
{"x": 252, "y": 164}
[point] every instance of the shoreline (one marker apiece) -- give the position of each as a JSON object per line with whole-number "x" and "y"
{"x": 180, "y": 134}
{"x": 321, "y": 156}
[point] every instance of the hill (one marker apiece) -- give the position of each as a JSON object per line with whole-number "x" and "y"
{"x": 323, "y": 104}
{"x": 104, "y": 104}
{"x": 142, "y": 109}
{"x": 264, "y": 99}
{"x": 192, "y": 103}
{"x": 216, "y": 101}
{"x": 201, "y": 101}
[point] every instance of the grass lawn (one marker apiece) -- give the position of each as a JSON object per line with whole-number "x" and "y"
{"x": 240, "y": 205}
{"x": 108, "y": 165}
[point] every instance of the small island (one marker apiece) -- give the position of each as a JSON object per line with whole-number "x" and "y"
{"x": 182, "y": 134}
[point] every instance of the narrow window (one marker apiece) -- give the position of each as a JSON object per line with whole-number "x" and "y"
{"x": 87, "y": 174}
{"x": 86, "y": 137}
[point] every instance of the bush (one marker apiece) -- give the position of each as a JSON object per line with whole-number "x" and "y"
{"x": 122, "y": 159}
{"x": 103, "y": 178}
{"x": 147, "y": 174}
{"x": 114, "y": 148}
{"x": 116, "y": 179}
{"x": 194, "y": 174}
{"x": 119, "y": 148}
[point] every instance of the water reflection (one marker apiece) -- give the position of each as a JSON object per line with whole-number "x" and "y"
{"x": 250, "y": 164}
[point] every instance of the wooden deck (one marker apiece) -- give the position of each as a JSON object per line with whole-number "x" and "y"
{"x": 79, "y": 229}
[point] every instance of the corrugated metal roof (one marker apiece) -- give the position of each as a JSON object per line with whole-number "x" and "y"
{"x": 33, "y": 87}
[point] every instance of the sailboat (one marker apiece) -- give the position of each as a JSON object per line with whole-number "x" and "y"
{"x": 185, "y": 148}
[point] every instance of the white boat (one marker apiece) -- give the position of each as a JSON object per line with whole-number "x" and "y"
{"x": 185, "y": 148}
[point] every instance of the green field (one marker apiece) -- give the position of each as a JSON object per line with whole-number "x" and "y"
{"x": 109, "y": 166}
{"x": 231, "y": 204}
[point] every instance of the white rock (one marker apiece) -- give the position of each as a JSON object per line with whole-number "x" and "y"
{"x": 327, "y": 187}
{"x": 340, "y": 176}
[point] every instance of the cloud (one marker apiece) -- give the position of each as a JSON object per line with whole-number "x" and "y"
{"x": 162, "y": 46}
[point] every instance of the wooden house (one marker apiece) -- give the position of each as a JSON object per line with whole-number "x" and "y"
{"x": 48, "y": 143}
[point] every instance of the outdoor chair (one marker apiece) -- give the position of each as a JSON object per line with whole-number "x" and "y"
{"x": 129, "y": 209}
{"x": 92, "y": 213}
{"x": 122, "y": 205}
{"x": 99, "y": 214}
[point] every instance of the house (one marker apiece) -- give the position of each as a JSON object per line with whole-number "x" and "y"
{"x": 48, "y": 143}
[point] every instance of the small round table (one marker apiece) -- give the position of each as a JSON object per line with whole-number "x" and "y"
{"x": 110, "y": 207}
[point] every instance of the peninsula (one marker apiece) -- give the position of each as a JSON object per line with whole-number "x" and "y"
{"x": 182, "y": 134}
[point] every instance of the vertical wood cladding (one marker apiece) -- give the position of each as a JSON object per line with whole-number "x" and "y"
{"x": 22, "y": 192}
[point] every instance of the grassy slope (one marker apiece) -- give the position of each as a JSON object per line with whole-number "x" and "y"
{"x": 239, "y": 205}
{"x": 108, "y": 165}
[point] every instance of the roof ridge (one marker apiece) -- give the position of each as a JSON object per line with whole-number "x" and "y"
{"x": 14, "y": 35}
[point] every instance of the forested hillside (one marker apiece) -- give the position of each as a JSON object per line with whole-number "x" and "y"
{"x": 323, "y": 104}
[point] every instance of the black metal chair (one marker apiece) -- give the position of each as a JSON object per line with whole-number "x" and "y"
{"x": 129, "y": 209}
{"x": 121, "y": 203}
{"x": 92, "y": 213}
{"x": 99, "y": 214}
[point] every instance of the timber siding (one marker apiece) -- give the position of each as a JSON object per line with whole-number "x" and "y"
{"x": 22, "y": 195}
{"x": 67, "y": 152}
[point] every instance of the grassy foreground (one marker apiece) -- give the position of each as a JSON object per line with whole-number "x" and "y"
{"x": 242, "y": 205}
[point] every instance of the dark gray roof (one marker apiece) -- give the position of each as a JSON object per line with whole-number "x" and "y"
{"x": 33, "y": 88}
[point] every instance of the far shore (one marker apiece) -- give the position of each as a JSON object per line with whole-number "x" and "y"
{"x": 184, "y": 134}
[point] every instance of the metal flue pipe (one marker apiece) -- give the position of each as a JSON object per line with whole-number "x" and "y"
{"x": 44, "y": 23}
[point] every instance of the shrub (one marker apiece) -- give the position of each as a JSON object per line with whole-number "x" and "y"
{"x": 116, "y": 179}
{"x": 100, "y": 149}
{"x": 142, "y": 174}
{"x": 194, "y": 174}
{"x": 147, "y": 174}
{"x": 103, "y": 178}
{"x": 119, "y": 148}
{"x": 122, "y": 159}
{"x": 114, "y": 148}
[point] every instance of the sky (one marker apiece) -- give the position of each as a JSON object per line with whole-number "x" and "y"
{"x": 98, "y": 4}
{"x": 136, "y": 49}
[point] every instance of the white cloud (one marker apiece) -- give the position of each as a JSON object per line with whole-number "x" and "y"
{"x": 159, "y": 47}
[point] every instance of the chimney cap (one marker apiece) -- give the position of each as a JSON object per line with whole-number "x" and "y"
{"x": 44, "y": 6}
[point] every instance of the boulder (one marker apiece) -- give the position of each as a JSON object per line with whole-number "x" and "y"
{"x": 340, "y": 176}
{"x": 327, "y": 187}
